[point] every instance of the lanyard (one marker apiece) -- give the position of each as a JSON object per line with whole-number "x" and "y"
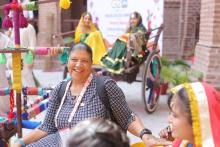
{"x": 79, "y": 99}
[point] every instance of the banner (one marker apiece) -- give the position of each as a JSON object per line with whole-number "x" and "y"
{"x": 112, "y": 16}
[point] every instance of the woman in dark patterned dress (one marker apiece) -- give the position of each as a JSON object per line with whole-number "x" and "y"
{"x": 80, "y": 102}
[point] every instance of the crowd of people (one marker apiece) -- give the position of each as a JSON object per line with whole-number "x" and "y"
{"x": 77, "y": 116}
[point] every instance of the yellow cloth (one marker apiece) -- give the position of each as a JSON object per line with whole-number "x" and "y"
{"x": 94, "y": 40}
{"x": 141, "y": 144}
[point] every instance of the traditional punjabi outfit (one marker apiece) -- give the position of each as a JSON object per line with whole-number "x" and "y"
{"x": 94, "y": 39}
{"x": 205, "y": 111}
{"x": 114, "y": 60}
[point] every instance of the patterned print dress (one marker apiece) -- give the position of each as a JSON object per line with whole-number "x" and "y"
{"x": 92, "y": 107}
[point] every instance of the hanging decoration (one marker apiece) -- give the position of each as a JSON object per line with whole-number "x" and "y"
{"x": 7, "y": 23}
{"x": 3, "y": 59}
{"x": 64, "y": 56}
{"x": 11, "y": 113}
{"x": 22, "y": 20}
{"x": 28, "y": 58}
{"x": 65, "y": 4}
{"x": 40, "y": 51}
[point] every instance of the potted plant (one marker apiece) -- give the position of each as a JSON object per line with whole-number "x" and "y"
{"x": 177, "y": 72}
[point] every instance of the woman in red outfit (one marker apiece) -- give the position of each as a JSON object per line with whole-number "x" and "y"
{"x": 195, "y": 116}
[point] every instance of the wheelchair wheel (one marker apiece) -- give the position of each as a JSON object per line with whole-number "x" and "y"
{"x": 150, "y": 83}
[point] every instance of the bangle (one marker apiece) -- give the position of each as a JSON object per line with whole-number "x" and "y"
{"x": 21, "y": 142}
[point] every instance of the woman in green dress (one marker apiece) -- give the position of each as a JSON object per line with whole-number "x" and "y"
{"x": 135, "y": 39}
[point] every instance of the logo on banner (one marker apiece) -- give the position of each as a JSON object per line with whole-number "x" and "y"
{"x": 119, "y": 3}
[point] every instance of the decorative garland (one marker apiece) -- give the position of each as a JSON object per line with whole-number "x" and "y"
{"x": 25, "y": 90}
{"x": 195, "y": 115}
{"x": 61, "y": 52}
{"x": 7, "y": 23}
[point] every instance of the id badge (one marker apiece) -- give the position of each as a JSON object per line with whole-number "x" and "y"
{"x": 64, "y": 135}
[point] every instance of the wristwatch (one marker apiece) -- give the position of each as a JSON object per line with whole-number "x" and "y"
{"x": 145, "y": 131}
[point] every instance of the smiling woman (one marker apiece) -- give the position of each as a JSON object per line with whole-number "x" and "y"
{"x": 80, "y": 63}
{"x": 81, "y": 101}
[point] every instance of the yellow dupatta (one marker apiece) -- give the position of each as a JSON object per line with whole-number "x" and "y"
{"x": 78, "y": 31}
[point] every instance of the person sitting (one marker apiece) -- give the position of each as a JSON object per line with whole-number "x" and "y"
{"x": 80, "y": 101}
{"x": 97, "y": 133}
{"x": 87, "y": 32}
{"x": 195, "y": 116}
{"x": 134, "y": 39}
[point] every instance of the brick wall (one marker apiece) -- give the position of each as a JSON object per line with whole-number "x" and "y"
{"x": 171, "y": 31}
{"x": 190, "y": 14}
{"x": 181, "y": 19}
{"x": 48, "y": 17}
{"x": 47, "y": 22}
{"x": 2, "y": 2}
{"x": 208, "y": 48}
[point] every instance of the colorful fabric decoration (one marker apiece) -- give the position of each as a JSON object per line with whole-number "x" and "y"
{"x": 30, "y": 6}
{"x": 3, "y": 59}
{"x": 35, "y": 91}
{"x": 22, "y": 20}
{"x": 65, "y": 4}
{"x": 64, "y": 56}
{"x": 16, "y": 65}
{"x": 28, "y": 58}
{"x": 4, "y": 91}
{"x": 27, "y": 91}
{"x": 11, "y": 113}
{"x": 36, "y": 109}
{"x": 41, "y": 51}
{"x": 7, "y": 23}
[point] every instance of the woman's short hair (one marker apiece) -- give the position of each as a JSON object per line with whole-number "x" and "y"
{"x": 97, "y": 132}
{"x": 82, "y": 46}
